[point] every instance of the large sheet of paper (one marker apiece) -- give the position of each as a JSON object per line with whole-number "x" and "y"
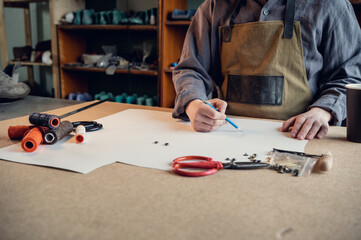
{"x": 130, "y": 137}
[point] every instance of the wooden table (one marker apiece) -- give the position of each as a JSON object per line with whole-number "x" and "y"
{"x": 120, "y": 201}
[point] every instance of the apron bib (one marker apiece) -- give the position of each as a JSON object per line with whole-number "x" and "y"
{"x": 263, "y": 67}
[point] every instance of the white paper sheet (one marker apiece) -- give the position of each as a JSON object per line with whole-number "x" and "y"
{"x": 129, "y": 137}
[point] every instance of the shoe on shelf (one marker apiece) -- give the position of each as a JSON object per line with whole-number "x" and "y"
{"x": 11, "y": 90}
{"x": 117, "y": 16}
{"x": 137, "y": 18}
{"x": 80, "y": 97}
{"x": 72, "y": 96}
{"x": 88, "y": 17}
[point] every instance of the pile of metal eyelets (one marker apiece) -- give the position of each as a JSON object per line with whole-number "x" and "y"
{"x": 284, "y": 168}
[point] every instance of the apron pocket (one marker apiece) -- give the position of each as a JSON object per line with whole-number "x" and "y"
{"x": 263, "y": 90}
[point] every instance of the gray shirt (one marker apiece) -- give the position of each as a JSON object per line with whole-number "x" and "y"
{"x": 331, "y": 39}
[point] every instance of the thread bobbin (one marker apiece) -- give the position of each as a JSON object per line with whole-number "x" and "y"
{"x": 17, "y": 132}
{"x": 46, "y": 120}
{"x": 32, "y": 139}
{"x": 54, "y": 135}
{"x": 80, "y": 134}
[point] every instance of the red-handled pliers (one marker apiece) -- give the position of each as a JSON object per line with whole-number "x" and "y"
{"x": 201, "y": 162}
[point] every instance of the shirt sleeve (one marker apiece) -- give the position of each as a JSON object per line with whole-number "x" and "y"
{"x": 341, "y": 52}
{"x": 190, "y": 77}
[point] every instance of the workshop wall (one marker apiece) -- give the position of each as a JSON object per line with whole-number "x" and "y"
{"x": 136, "y": 5}
{"x": 193, "y": 4}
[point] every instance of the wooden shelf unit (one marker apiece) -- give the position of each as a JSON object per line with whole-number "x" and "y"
{"x": 118, "y": 71}
{"x": 177, "y": 23}
{"x": 25, "y": 4}
{"x": 171, "y": 42}
{"x": 57, "y": 8}
{"x": 73, "y": 41}
{"x": 109, "y": 27}
{"x": 20, "y": 3}
{"x": 27, "y": 63}
{"x": 170, "y": 35}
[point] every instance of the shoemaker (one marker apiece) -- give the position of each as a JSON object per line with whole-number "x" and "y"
{"x": 287, "y": 60}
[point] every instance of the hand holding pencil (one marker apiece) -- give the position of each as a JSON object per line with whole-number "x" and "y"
{"x": 227, "y": 119}
{"x": 203, "y": 117}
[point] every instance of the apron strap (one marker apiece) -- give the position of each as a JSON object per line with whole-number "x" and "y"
{"x": 289, "y": 19}
{"x": 236, "y": 6}
{"x": 231, "y": 15}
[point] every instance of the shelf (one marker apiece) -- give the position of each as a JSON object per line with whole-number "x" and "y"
{"x": 26, "y": 63}
{"x": 25, "y": 7}
{"x": 24, "y": 1}
{"x": 168, "y": 70}
{"x": 118, "y": 71}
{"x": 177, "y": 23}
{"x": 109, "y": 27}
{"x": 20, "y": 3}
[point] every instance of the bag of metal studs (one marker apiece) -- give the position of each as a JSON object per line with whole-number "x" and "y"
{"x": 295, "y": 163}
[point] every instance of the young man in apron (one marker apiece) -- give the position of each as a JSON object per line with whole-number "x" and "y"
{"x": 287, "y": 60}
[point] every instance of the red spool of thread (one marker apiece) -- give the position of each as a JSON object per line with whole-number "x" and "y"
{"x": 17, "y": 132}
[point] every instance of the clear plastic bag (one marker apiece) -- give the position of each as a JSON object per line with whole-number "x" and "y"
{"x": 296, "y": 163}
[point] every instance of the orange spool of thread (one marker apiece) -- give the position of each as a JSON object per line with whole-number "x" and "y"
{"x": 17, "y": 132}
{"x": 32, "y": 139}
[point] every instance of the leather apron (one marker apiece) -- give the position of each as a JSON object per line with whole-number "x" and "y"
{"x": 263, "y": 67}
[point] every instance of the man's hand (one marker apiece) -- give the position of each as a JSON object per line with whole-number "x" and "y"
{"x": 203, "y": 117}
{"x": 308, "y": 125}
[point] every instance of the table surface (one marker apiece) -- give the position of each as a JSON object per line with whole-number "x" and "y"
{"x": 129, "y": 202}
{"x": 30, "y": 104}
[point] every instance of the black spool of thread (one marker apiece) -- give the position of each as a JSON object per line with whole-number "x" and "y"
{"x": 54, "y": 135}
{"x": 46, "y": 120}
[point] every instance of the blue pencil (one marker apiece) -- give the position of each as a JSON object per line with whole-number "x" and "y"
{"x": 227, "y": 119}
